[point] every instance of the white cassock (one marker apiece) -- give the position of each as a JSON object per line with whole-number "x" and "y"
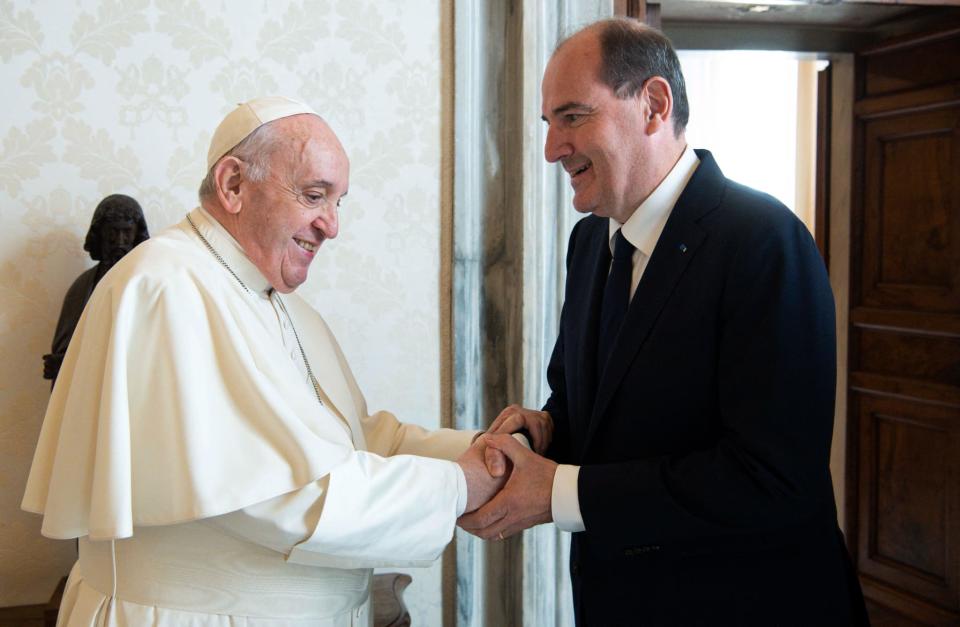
{"x": 186, "y": 448}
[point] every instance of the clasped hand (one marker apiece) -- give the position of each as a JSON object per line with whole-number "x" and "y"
{"x": 509, "y": 486}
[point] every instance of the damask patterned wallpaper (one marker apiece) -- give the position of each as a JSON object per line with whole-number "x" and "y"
{"x": 104, "y": 96}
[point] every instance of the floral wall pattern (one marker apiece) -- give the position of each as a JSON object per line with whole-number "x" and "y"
{"x": 104, "y": 96}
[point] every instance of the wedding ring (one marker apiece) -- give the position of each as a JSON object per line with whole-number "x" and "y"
{"x": 501, "y": 535}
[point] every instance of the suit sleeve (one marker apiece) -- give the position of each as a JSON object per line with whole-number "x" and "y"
{"x": 556, "y": 405}
{"x": 559, "y": 449}
{"x": 775, "y": 393}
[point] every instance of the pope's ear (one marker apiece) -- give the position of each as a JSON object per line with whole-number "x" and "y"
{"x": 227, "y": 175}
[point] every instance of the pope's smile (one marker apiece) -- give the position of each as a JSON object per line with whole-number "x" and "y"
{"x": 305, "y": 245}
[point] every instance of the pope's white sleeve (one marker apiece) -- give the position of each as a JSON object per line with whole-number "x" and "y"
{"x": 370, "y": 511}
{"x": 385, "y": 435}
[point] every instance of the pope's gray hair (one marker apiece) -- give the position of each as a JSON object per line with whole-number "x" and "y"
{"x": 256, "y": 151}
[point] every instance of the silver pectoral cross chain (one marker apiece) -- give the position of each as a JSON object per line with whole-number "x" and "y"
{"x": 283, "y": 307}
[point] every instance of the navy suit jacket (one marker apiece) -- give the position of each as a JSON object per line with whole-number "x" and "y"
{"x": 704, "y": 447}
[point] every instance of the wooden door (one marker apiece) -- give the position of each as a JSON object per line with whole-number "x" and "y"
{"x": 903, "y": 520}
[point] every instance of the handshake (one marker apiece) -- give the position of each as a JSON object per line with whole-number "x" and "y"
{"x": 509, "y": 486}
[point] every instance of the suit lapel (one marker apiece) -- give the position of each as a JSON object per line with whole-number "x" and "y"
{"x": 676, "y": 248}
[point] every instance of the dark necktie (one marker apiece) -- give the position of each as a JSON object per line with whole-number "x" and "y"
{"x": 616, "y": 299}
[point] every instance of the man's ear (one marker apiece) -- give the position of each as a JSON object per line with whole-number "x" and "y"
{"x": 659, "y": 104}
{"x": 227, "y": 176}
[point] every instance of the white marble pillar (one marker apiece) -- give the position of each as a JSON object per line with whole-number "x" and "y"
{"x": 512, "y": 216}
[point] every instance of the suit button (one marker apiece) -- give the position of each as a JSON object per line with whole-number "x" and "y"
{"x": 574, "y": 569}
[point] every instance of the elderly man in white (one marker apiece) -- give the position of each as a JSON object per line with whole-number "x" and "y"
{"x": 206, "y": 440}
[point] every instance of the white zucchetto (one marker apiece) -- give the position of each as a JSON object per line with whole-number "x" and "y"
{"x": 248, "y": 117}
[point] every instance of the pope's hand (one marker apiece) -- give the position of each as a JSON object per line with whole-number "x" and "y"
{"x": 525, "y": 500}
{"x": 538, "y": 424}
{"x": 482, "y": 483}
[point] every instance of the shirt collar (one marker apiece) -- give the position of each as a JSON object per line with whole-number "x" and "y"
{"x": 643, "y": 228}
{"x": 230, "y": 250}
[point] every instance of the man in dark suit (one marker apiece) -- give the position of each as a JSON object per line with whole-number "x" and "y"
{"x": 692, "y": 382}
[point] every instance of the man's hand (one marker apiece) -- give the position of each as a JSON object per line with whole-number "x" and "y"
{"x": 524, "y": 500}
{"x": 538, "y": 424}
{"x": 482, "y": 483}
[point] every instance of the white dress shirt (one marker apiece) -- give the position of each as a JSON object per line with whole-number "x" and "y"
{"x": 642, "y": 229}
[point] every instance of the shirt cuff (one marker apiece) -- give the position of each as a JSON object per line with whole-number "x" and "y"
{"x": 565, "y": 500}
{"x": 461, "y": 490}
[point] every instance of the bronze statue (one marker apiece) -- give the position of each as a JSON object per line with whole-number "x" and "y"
{"x": 117, "y": 226}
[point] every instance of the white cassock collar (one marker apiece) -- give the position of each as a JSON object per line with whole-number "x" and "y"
{"x": 232, "y": 253}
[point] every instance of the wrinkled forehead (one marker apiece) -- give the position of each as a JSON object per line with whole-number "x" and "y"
{"x": 311, "y": 150}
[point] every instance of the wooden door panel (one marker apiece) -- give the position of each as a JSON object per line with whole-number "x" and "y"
{"x": 912, "y": 233}
{"x": 904, "y": 335}
{"x": 900, "y": 68}
{"x": 930, "y": 357}
{"x": 909, "y": 457}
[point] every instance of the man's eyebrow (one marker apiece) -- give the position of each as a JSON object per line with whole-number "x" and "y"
{"x": 567, "y": 106}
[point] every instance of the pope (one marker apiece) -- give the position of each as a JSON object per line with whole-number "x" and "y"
{"x": 206, "y": 440}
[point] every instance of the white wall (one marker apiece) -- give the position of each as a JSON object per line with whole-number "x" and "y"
{"x": 743, "y": 108}
{"x": 103, "y": 96}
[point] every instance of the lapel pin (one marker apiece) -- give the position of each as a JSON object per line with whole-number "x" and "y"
{"x": 683, "y": 248}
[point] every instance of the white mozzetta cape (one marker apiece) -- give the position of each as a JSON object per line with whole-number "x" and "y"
{"x": 177, "y": 401}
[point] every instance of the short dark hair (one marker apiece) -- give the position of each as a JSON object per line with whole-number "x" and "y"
{"x": 115, "y": 207}
{"x": 632, "y": 52}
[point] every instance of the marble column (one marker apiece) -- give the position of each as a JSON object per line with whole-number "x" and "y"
{"x": 511, "y": 218}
